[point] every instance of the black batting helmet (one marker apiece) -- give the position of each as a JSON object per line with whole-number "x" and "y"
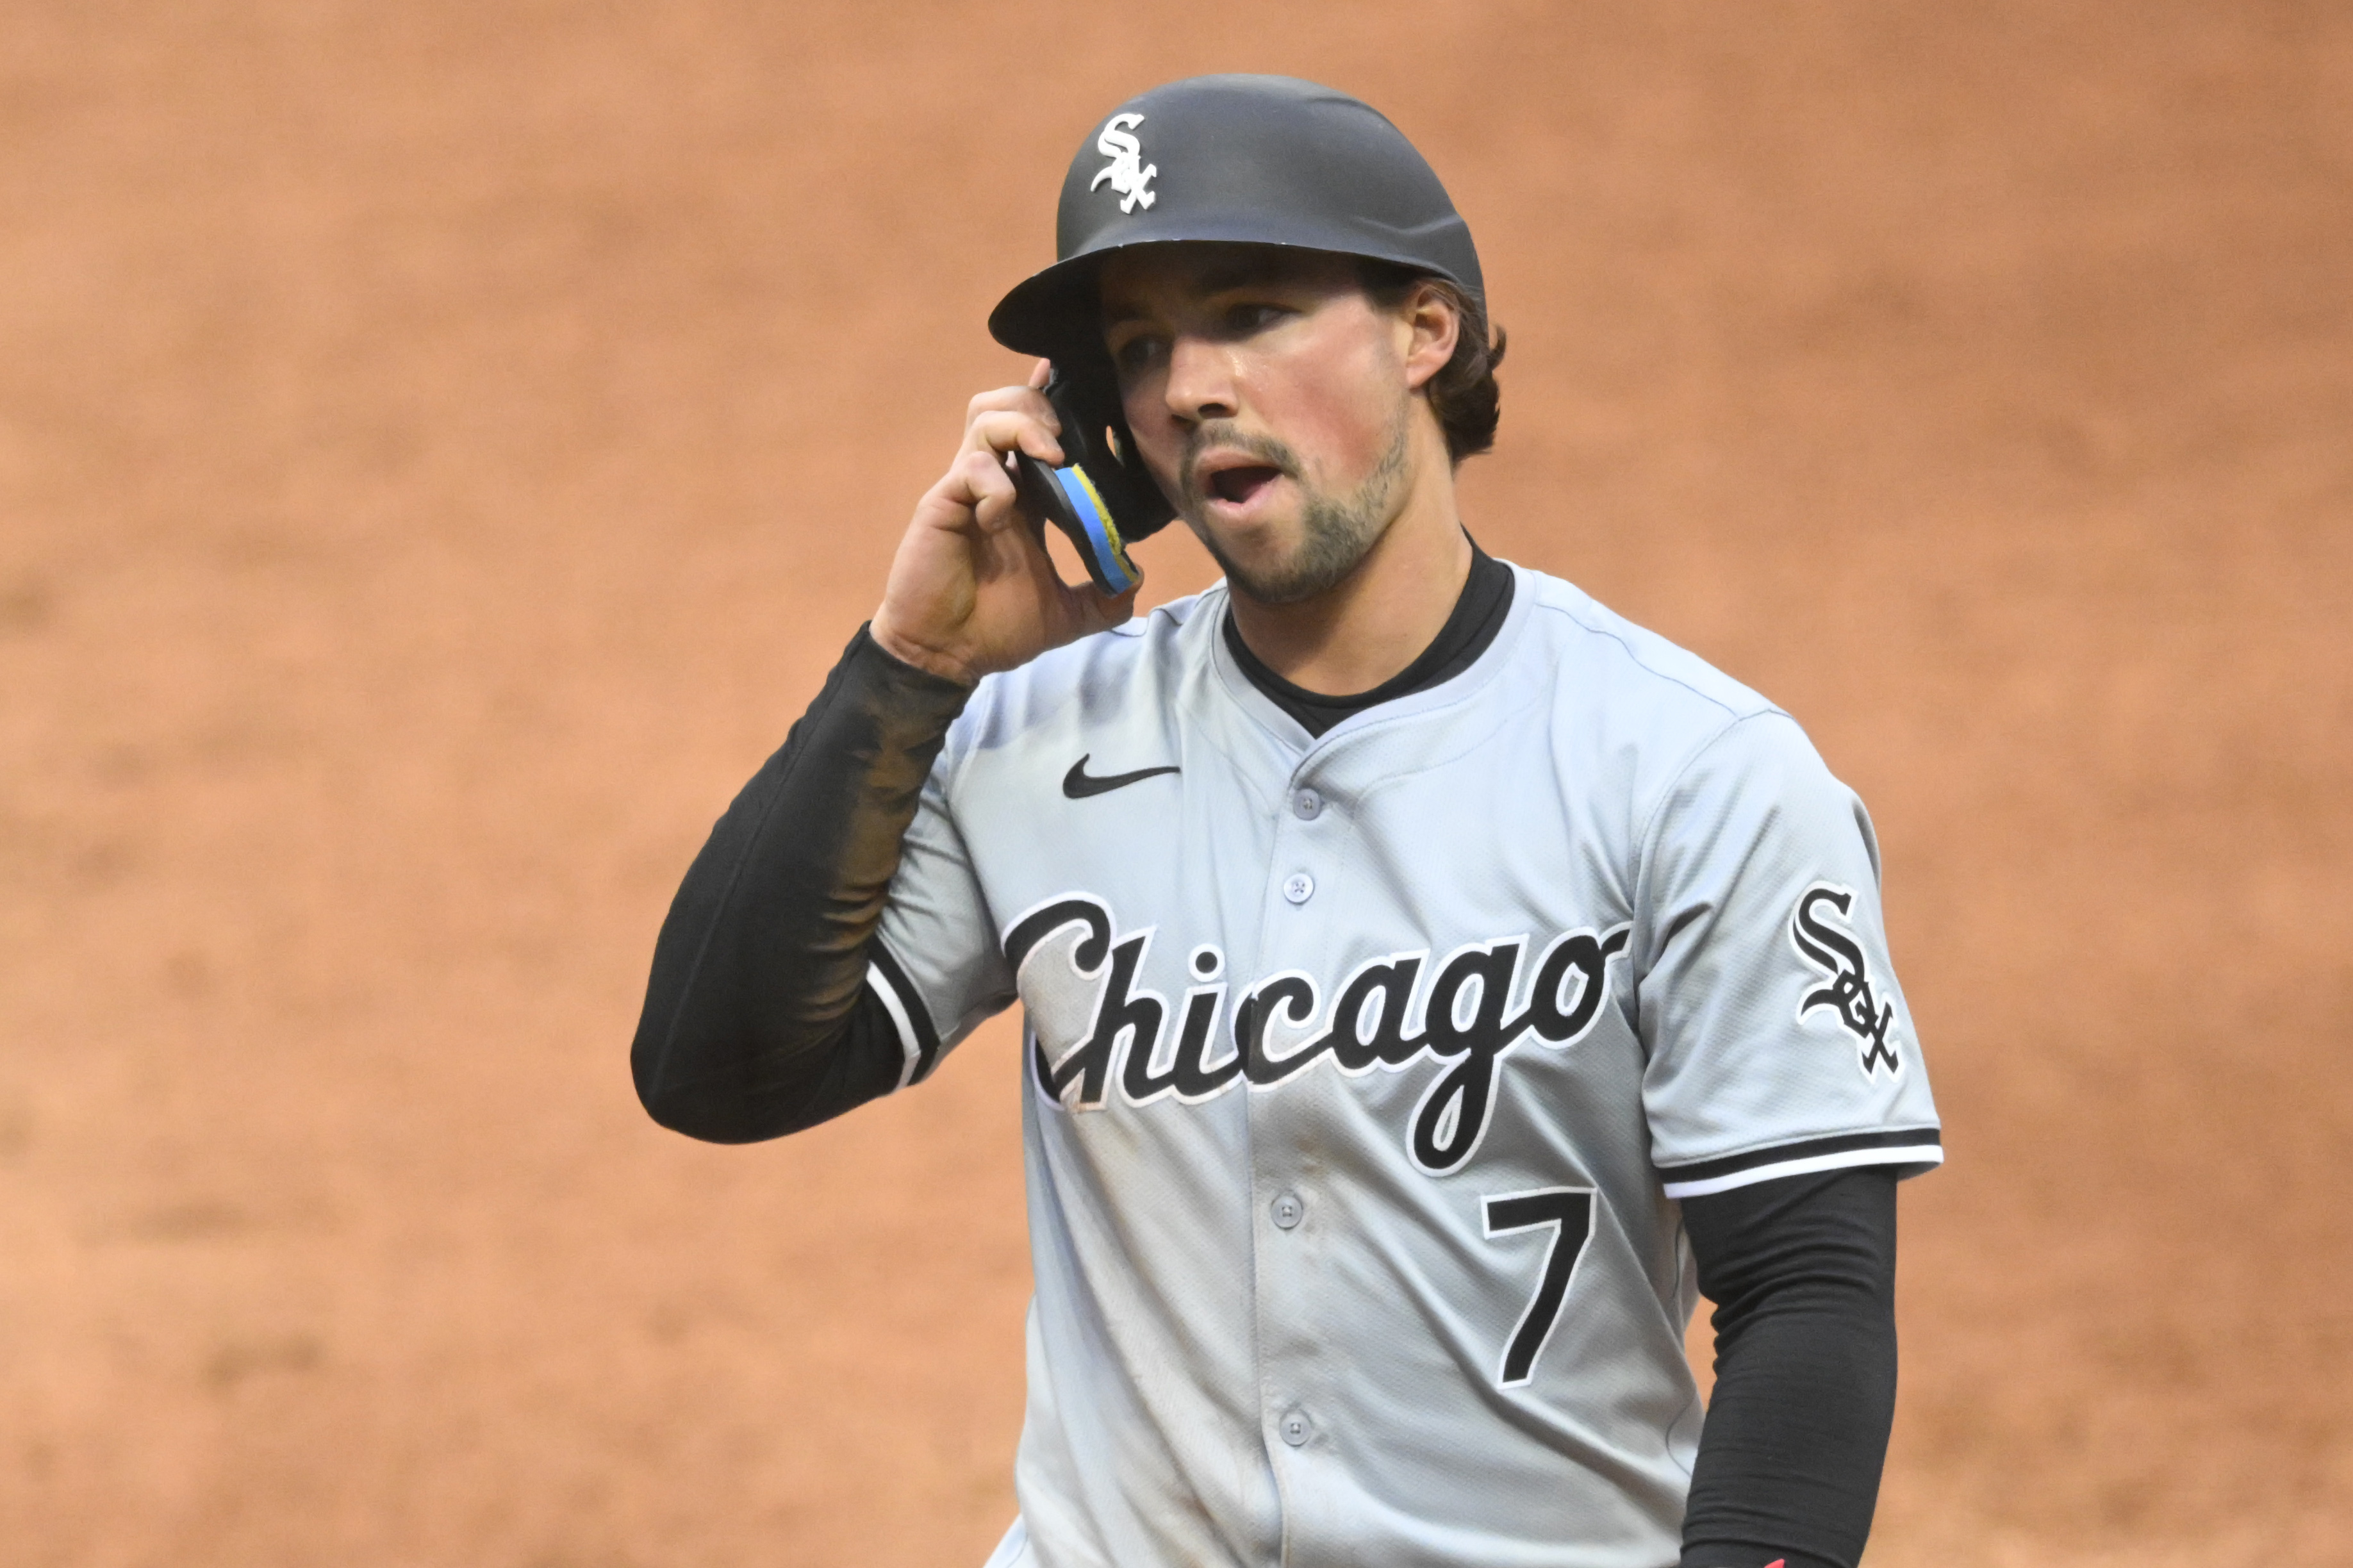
{"x": 1269, "y": 160}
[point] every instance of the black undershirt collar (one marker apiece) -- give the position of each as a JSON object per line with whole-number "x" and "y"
{"x": 1477, "y": 617}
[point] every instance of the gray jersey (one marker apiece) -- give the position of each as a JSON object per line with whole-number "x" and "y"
{"x": 1364, "y": 1072}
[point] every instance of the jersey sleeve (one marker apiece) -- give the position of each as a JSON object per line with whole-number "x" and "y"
{"x": 935, "y": 964}
{"x": 1777, "y": 1036}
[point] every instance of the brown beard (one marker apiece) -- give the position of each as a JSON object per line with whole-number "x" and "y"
{"x": 1336, "y": 533}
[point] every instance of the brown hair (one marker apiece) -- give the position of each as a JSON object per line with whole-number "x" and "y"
{"x": 1464, "y": 394}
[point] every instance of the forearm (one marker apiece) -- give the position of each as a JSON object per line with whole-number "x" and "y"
{"x": 1803, "y": 1270}
{"x": 756, "y": 1020}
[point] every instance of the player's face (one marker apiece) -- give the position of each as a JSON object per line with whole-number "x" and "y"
{"x": 1268, "y": 393}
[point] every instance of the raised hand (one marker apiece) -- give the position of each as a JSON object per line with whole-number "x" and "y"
{"x": 972, "y": 589}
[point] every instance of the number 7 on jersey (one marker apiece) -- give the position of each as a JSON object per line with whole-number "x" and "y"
{"x": 1567, "y": 1212}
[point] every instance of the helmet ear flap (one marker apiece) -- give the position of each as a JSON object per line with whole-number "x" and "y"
{"x": 1144, "y": 510}
{"x": 1103, "y": 499}
{"x": 1095, "y": 436}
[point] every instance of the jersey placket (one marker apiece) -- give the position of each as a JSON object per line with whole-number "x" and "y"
{"x": 1288, "y": 1238}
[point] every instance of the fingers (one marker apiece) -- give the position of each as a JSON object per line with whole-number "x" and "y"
{"x": 1013, "y": 400}
{"x": 1007, "y": 430}
{"x": 1039, "y": 372}
{"x": 987, "y": 487}
{"x": 996, "y": 423}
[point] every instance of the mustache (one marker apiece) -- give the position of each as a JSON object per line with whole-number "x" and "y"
{"x": 1232, "y": 436}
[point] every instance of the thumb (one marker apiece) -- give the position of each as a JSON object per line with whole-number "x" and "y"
{"x": 1103, "y": 611}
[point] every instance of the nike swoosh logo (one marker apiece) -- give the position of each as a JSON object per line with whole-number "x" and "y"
{"x": 1078, "y": 783}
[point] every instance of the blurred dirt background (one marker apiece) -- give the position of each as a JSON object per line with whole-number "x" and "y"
{"x": 442, "y": 447}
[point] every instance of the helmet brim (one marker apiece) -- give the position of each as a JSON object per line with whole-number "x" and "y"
{"x": 1057, "y": 312}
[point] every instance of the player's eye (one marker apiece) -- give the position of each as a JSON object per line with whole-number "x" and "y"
{"x": 1245, "y": 319}
{"x": 1135, "y": 356}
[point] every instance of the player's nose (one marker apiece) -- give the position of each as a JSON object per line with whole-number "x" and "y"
{"x": 1202, "y": 381}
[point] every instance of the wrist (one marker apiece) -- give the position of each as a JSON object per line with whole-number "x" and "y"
{"x": 916, "y": 655}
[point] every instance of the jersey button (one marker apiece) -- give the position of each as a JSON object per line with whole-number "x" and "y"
{"x": 1295, "y": 1428}
{"x": 1299, "y": 886}
{"x": 1307, "y": 806}
{"x": 1288, "y": 1211}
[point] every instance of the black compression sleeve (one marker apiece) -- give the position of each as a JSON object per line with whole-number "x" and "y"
{"x": 1803, "y": 1271}
{"x": 757, "y": 1019}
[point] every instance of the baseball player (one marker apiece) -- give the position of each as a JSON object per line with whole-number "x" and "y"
{"x": 1432, "y": 983}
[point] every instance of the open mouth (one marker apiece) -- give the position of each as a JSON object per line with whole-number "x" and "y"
{"x": 1236, "y": 486}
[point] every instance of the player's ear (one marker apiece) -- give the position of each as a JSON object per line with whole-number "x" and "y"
{"x": 1433, "y": 323}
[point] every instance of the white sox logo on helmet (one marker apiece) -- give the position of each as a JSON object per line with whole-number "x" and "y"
{"x": 1382, "y": 1017}
{"x": 1127, "y": 171}
{"x": 1848, "y": 993}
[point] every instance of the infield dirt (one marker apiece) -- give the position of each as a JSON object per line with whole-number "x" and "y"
{"x": 443, "y": 446}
